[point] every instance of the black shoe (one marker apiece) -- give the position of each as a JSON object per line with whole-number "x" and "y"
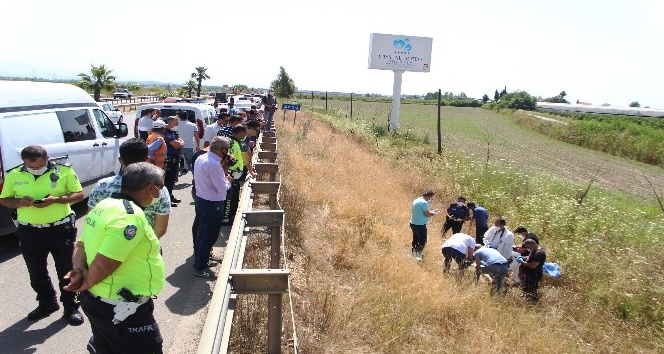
{"x": 175, "y": 200}
{"x": 205, "y": 274}
{"x": 74, "y": 318}
{"x": 173, "y": 205}
{"x": 43, "y": 311}
{"x": 212, "y": 263}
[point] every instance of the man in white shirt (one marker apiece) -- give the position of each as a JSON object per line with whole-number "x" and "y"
{"x": 213, "y": 129}
{"x": 459, "y": 247}
{"x": 188, "y": 133}
{"x": 500, "y": 239}
{"x": 145, "y": 124}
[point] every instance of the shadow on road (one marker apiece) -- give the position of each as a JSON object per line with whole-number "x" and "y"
{"x": 9, "y": 247}
{"x": 18, "y": 339}
{"x": 184, "y": 280}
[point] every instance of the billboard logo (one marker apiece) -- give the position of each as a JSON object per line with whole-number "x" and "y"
{"x": 402, "y": 44}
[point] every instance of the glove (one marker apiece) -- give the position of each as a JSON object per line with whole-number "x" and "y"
{"x": 519, "y": 259}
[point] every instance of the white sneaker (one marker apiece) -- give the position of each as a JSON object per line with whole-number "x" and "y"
{"x": 418, "y": 256}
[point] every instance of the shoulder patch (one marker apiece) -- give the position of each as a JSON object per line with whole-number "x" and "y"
{"x": 128, "y": 207}
{"x": 66, "y": 164}
{"x": 130, "y": 232}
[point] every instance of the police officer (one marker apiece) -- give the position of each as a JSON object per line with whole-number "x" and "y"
{"x": 41, "y": 191}
{"x": 118, "y": 268}
{"x": 457, "y": 213}
{"x": 237, "y": 171}
{"x": 173, "y": 151}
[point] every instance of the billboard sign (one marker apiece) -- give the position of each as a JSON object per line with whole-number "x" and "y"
{"x": 396, "y": 52}
{"x": 290, "y": 106}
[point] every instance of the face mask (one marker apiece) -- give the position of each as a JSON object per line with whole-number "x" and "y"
{"x": 175, "y": 128}
{"x": 155, "y": 200}
{"x": 37, "y": 172}
{"x": 461, "y": 203}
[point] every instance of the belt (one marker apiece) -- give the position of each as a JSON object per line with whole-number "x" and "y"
{"x": 115, "y": 302}
{"x": 62, "y": 221}
{"x": 499, "y": 264}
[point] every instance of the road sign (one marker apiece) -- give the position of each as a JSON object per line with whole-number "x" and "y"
{"x": 290, "y": 106}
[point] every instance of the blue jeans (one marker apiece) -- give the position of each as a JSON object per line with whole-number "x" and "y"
{"x": 210, "y": 213}
{"x": 188, "y": 154}
{"x": 498, "y": 272}
{"x": 267, "y": 116}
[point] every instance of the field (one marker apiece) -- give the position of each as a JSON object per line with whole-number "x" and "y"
{"x": 486, "y": 135}
{"x": 357, "y": 290}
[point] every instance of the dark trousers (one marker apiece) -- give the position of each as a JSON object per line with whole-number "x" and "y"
{"x": 143, "y": 135}
{"x": 531, "y": 283}
{"x": 451, "y": 254}
{"x": 172, "y": 168}
{"x": 209, "y": 226}
{"x": 138, "y": 333}
{"x": 36, "y": 244}
{"x": 419, "y": 237}
{"x": 454, "y": 225}
{"x": 232, "y": 200}
{"x": 479, "y": 234}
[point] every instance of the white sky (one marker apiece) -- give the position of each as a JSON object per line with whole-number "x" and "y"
{"x": 597, "y": 51}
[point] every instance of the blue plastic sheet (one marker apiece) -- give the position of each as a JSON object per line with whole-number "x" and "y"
{"x": 551, "y": 269}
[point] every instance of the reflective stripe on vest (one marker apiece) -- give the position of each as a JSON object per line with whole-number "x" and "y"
{"x": 160, "y": 154}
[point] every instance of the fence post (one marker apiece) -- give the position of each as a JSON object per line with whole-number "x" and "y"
{"x": 440, "y": 142}
{"x": 274, "y": 323}
{"x": 325, "y": 101}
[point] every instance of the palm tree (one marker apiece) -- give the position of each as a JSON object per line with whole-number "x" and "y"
{"x": 199, "y": 75}
{"x": 100, "y": 78}
{"x": 190, "y": 86}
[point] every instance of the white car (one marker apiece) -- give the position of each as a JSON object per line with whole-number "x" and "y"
{"x": 114, "y": 114}
{"x": 244, "y": 102}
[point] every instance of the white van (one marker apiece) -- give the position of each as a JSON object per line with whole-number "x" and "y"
{"x": 63, "y": 119}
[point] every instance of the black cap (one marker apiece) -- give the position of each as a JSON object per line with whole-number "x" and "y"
{"x": 427, "y": 193}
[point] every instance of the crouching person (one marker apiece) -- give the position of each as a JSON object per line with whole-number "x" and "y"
{"x": 532, "y": 268}
{"x": 459, "y": 247}
{"x": 118, "y": 268}
{"x": 490, "y": 261}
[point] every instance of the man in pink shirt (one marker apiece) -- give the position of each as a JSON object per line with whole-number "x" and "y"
{"x": 212, "y": 183}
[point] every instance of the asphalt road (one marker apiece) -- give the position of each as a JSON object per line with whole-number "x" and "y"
{"x": 180, "y": 308}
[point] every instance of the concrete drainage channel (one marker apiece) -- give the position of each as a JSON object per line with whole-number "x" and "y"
{"x": 233, "y": 279}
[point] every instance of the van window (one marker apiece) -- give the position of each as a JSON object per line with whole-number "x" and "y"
{"x": 167, "y": 112}
{"x": 106, "y": 127}
{"x": 76, "y": 125}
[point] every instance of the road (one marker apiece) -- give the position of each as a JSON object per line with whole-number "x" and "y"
{"x": 180, "y": 308}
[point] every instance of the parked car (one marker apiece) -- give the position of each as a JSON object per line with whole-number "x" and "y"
{"x": 203, "y": 114}
{"x": 113, "y": 113}
{"x": 122, "y": 93}
{"x": 67, "y": 122}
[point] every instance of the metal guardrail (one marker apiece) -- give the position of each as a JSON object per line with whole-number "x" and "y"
{"x": 232, "y": 278}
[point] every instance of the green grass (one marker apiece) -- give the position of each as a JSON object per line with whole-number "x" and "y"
{"x": 607, "y": 243}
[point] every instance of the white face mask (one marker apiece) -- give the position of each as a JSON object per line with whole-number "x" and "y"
{"x": 175, "y": 128}
{"x": 155, "y": 200}
{"x": 37, "y": 172}
{"x": 461, "y": 203}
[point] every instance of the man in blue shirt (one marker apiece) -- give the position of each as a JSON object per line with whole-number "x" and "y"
{"x": 457, "y": 213}
{"x": 481, "y": 217}
{"x": 490, "y": 261}
{"x": 418, "y": 223}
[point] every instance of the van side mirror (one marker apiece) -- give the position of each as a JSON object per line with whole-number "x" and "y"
{"x": 117, "y": 109}
{"x": 122, "y": 130}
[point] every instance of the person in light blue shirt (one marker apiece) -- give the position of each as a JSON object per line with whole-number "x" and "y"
{"x": 481, "y": 218}
{"x": 418, "y": 223}
{"x": 490, "y": 261}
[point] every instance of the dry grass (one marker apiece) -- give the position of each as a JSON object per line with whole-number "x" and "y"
{"x": 357, "y": 290}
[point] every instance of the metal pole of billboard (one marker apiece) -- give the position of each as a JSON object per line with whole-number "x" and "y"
{"x": 325, "y": 101}
{"x": 351, "y": 105}
{"x": 396, "y": 99}
{"x": 440, "y": 139}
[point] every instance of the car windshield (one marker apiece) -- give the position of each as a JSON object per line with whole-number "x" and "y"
{"x": 167, "y": 112}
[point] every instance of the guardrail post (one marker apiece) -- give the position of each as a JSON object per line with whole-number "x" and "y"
{"x": 274, "y": 324}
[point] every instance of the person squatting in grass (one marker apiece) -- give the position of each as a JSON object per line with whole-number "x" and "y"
{"x": 457, "y": 213}
{"x": 532, "y": 268}
{"x": 418, "y": 222}
{"x": 459, "y": 247}
{"x": 490, "y": 261}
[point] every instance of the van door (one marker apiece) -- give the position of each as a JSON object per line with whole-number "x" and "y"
{"x": 82, "y": 143}
{"x": 109, "y": 146}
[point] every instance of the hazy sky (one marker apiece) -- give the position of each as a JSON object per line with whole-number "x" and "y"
{"x": 597, "y": 51}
